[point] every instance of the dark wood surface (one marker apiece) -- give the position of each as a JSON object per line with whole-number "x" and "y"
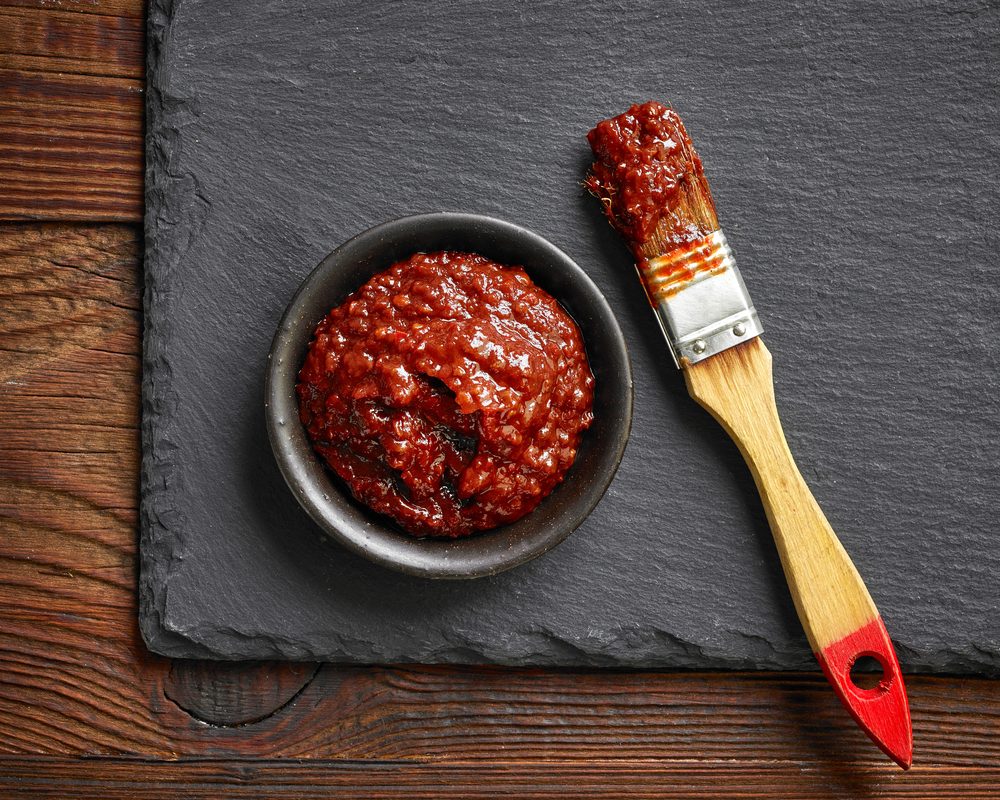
{"x": 85, "y": 710}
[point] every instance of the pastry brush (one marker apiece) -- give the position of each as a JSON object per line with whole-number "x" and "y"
{"x": 651, "y": 183}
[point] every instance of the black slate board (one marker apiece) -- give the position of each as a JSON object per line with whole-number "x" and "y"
{"x": 853, "y": 150}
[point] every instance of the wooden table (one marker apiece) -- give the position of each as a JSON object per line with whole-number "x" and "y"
{"x": 87, "y": 711}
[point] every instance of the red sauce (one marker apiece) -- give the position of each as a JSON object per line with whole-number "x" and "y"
{"x": 644, "y": 161}
{"x": 671, "y": 272}
{"x": 449, "y": 392}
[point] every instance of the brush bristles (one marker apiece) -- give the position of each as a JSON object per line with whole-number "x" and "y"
{"x": 650, "y": 180}
{"x": 691, "y": 216}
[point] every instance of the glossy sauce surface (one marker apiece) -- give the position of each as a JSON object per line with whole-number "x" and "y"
{"x": 449, "y": 392}
{"x": 649, "y": 178}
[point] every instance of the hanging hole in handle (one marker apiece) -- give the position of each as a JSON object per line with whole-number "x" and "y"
{"x": 868, "y": 673}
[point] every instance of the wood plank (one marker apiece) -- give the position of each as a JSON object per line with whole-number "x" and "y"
{"x": 67, "y": 289}
{"x": 612, "y": 779}
{"x": 53, "y": 40}
{"x": 77, "y": 680}
{"x": 118, "y": 8}
{"x": 71, "y": 111}
{"x": 70, "y": 147}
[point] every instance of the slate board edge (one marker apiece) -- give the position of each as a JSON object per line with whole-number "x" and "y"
{"x": 174, "y": 197}
{"x": 161, "y": 525}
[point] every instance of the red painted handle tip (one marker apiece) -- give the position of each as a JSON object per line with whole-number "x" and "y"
{"x": 882, "y": 711}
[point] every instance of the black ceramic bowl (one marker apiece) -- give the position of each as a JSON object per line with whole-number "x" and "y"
{"x": 375, "y": 537}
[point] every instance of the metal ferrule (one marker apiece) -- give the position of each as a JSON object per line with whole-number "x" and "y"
{"x": 700, "y": 299}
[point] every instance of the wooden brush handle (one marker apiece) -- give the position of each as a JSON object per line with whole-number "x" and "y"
{"x": 839, "y": 617}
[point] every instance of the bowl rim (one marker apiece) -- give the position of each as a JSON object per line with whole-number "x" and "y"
{"x": 343, "y": 519}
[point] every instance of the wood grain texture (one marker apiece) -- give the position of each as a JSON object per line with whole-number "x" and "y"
{"x": 208, "y": 778}
{"x": 125, "y": 9}
{"x": 71, "y": 106}
{"x": 235, "y": 694}
{"x": 76, "y": 680}
{"x": 51, "y": 39}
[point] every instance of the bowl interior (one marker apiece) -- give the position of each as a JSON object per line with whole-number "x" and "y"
{"x": 330, "y": 503}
